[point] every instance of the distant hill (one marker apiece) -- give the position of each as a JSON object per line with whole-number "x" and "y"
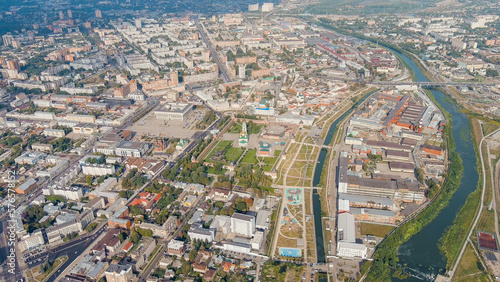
{"x": 370, "y": 7}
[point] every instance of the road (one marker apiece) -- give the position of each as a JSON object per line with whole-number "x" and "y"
{"x": 478, "y": 215}
{"x": 52, "y": 253}
{"x": 222, "y": 67}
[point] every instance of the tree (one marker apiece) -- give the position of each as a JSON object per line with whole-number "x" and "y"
{"x": 126, "y": 193}
{"x": 89, "y": 179}
{"x": 192, "y": 254}
{"x": 145, "y": 232}
{"x": 135, "y": 237}
{"x": 491, "y": 73}
{"x": 122, "y": 236}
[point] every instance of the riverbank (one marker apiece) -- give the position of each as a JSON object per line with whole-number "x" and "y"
{"x": 386, "y": 260}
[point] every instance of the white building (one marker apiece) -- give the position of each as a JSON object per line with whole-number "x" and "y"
{"x": 346, "y": 236}
{"x": 71, "y": 193}
{"x": 242, "y": 224}
{"x": 237, "y": 247}
{"x": 98, "y": 169}
{"x": 55, "y": 233}
{"x": 221, "y": 223}
{"x": 351, "y": 250}
{"x": 174, "y": 111}
{"x": 202, "y": 234}
{"x": 267, "y": 7}
{"x": 257, "y": 240}
{"x": 295, "y": 119}
{"x": 33, "y": 240}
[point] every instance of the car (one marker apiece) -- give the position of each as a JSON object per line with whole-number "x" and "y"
{"x": 76, "y": 252}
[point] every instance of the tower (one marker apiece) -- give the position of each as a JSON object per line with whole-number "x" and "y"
{"x": 98, "y": 14}
{"x": 61, "y": 15}
{"x": 241, "y": 71}
{"x": 70, "y": 14}
{"x": 243, "y": 140}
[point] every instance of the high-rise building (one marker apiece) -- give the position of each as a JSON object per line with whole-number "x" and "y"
{"x": 61, "y": 15}
{"x": 98, "y": 14}
{"x": 70, "y": 14}
{"x": 253, "y": 7}
{"x": 16, "y": 43}
{"x": 242, "y": 224}
{"x": 13, "y": 65}
{"x": 241, "y": 70}
{"x": 7, "y": 39}
{"x": 267, "y": 7}
{"x": 138, "y": 23}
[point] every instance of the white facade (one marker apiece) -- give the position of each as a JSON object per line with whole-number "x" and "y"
{"x": 32, "y": 241}
{"x": 201, "y": 234}
{"x": 243, "y": 224}
{"x": 71, "y": 193}
{"x": 257, "y": 240}
{"x": 267, "y": 7}
{"x": 174, "y": 111}
{"x": 351, "y": 250}
{"x": 98, "y": 169}
{"x": 237, "y": 247}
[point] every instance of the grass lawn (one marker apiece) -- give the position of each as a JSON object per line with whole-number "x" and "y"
{"x": 250, "y": 157}
{"x": 286, "y": 243}
{"x": 235, "y": 128}
{"x": 277, "y": 153}
{"x": 486, "y": 221}
{"x": 470, "y": 268}
{"x": 489, "y": 127}
{"x": 267, "y": 168}
{"x": 233, "y": 154}
{"x": 375, "y": 229}
{"x": 220, "y": 146}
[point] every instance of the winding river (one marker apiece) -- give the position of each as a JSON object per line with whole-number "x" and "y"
{"x": 420, "y": 254}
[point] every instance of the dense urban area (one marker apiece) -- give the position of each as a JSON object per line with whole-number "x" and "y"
{"x": 205, "y": 140}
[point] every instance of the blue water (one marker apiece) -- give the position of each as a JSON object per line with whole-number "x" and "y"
{"x": 318, "y": 227}
{"x": 420, "y": 253}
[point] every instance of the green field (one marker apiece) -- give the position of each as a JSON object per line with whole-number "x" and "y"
{"x": 222, "y": 146}
{"x": 233, "y": 154}
{"x": 375, "y": 229}
{"x": 358, "y": 7}
{"x": 250, "y": 157}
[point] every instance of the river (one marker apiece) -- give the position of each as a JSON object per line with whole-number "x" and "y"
{"x": 420, "y": 253}
{"x": 318, "y": 226}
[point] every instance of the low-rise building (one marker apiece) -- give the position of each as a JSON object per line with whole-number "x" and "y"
{"x": 27, "y": 187}
{"x": 198, "y": 233}
{"x": 175, "y": 247}
{"x": 33, "y": 240}
{"x": 49, "y": 132}
{"x": 174, "y": 111}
